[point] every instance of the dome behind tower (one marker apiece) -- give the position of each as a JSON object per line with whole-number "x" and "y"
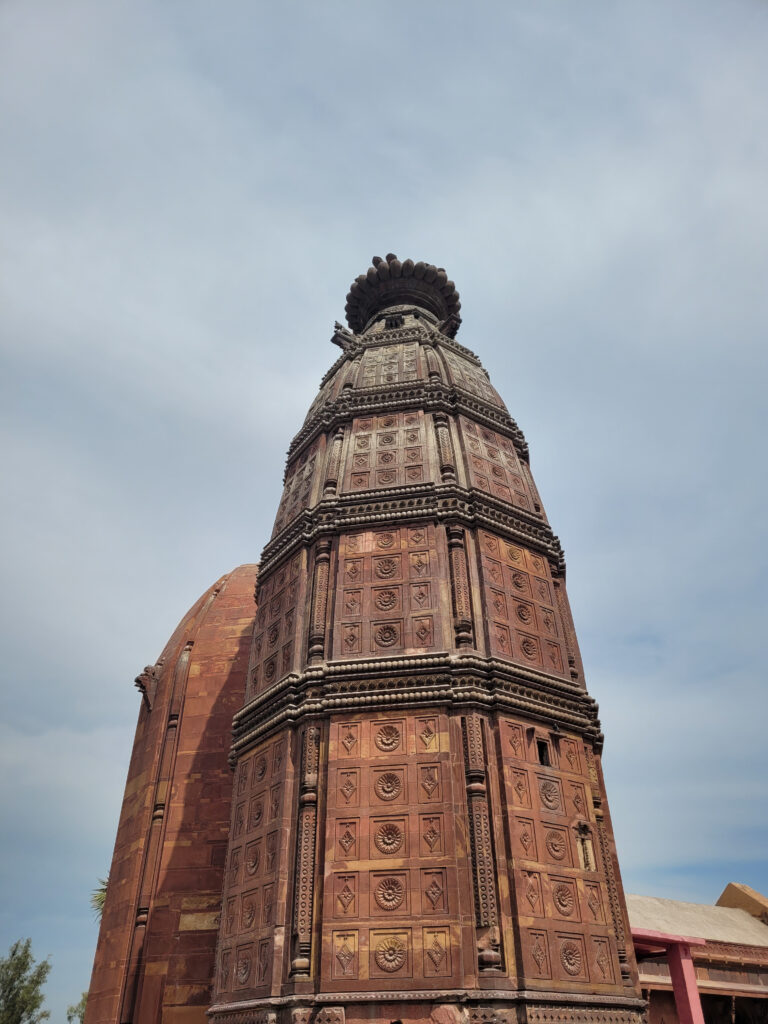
{"x": 156, "y": 949}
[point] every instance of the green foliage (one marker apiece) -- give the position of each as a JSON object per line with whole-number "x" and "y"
{"x": 76, "y": 1013}
{"x": 21, "y": 984}
{"x": 98, "y": 897}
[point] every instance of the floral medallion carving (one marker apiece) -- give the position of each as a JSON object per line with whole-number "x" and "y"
{"x": 562, "y": 897}
{"x": 571, "y": 958}
{"x": 386, "y": 568}
{"x": 386, "y": 636}
{"x": 388, "y": 838}
{"x": 387, "y": 738}
{"x": 243, "y": 969}
{"x": 391, "y": 955}
{"x": 555, "y": 844}
{"x": 529, "y": 647}
{"x": 388, "y": 786}
{"x": 389, "y": 893}
{"x": 550, "y": 794}
{"x": 259, "y": 768}
{"x": 385, "y": 600}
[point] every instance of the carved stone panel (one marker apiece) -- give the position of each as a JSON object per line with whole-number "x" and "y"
{"x": 467, "y": 376}
{"x": 301, "y": 484}
{"x": 391, "y": 954}
{"x": 344, "y": 963}
{"x": 388, "y": 593}
{"x": 536, "y": 954}
{"x": 436, "y": 952}
{"x": 278, "y": 619}
{"x": 523, "y": 625}
{"x": 564, "y": 898}
{"x": 571, "y": 956}
{"x": 394, "y": 860}
{"x": 494, "y": 466}
{"x": 388, "y": 451}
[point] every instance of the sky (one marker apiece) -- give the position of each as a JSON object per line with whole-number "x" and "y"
{"x": 187, "y": 190}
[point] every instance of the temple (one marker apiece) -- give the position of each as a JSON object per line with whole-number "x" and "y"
{"x": 375, "y": 794}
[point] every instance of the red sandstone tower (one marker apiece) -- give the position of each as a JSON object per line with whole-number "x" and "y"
{"x": 419, "y": 823}
{"x": 419, "y": 828}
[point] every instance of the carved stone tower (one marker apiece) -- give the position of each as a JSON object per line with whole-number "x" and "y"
{"x": 419, "y": 822}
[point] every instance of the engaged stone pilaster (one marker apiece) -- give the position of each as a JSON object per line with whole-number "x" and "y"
{"x": 305, "y": 853}
{"x": 483, "y": 874}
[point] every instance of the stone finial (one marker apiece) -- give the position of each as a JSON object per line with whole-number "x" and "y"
{"x": 392, "y": 282}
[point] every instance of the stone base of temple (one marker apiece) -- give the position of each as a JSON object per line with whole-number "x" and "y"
{"x": 441, "y": 1007}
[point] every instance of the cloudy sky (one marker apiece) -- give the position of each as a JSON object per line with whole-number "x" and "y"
{"x": 187, "y": 190}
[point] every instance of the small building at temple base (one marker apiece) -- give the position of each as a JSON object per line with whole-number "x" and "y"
{"x": 702, "y": 964}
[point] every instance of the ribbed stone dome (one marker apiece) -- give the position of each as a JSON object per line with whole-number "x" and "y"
{"x": 390, "y": 282}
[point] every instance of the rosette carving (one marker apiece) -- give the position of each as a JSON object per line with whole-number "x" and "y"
{"x": 391, "y": 954}
{"x": 388, "y": 786}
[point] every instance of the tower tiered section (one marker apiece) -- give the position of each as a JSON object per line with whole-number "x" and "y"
{"x": 419, "y": 821}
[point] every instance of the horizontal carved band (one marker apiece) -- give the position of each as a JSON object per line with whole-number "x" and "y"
{"x": 316, "y": 696}
{"x": 468, "y": 507}
{"x": 502, "y": 1005}
{"x": 431, "y": 396}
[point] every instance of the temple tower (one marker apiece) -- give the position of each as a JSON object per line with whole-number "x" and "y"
{"x": 157, "y": 942}
{"x": 419, "y": 821}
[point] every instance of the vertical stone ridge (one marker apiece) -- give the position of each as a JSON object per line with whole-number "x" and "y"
{"x": 445, "y": 448}
{"x": 154, "y": 841}
{"x": 334, "y": 462}
{"x": 483, "y": 872}
{"x": 305, "y": 852}
{"x": 316, "y": 648}
{"x": 462, "y": 608}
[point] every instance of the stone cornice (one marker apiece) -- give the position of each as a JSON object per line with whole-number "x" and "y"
{"x": 431, "y": 396}
{"x": 418, "y": 681}
{"x": 408, "y": 504}
{"x": 468, "y": 996}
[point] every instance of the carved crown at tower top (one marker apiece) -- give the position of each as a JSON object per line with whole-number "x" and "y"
{"x": 390, "y": 282}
